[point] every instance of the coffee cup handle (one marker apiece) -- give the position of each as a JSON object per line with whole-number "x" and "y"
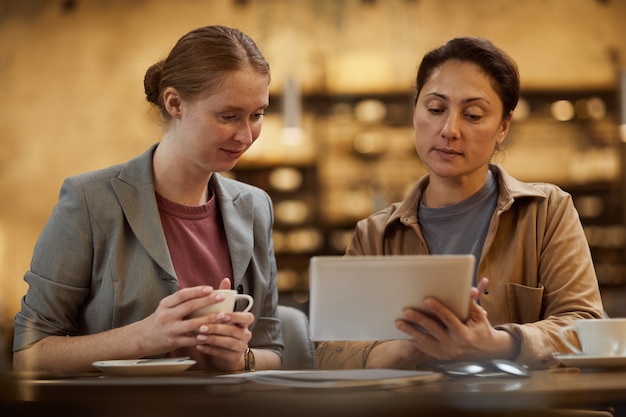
{"x": 248, "y": 298}
{"x": 569, "y": 344}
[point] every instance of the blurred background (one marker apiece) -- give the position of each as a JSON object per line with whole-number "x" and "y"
{"x": 337, "y": 142}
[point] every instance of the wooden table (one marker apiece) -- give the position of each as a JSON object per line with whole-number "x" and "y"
{"x": 191, "y": 394}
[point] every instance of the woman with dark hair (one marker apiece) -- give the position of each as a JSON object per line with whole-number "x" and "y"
{"x": 130, "y": 251}
{"x": 526, "y": 238}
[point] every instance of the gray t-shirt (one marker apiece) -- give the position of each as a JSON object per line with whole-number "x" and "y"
{"x": 462, "y": 227}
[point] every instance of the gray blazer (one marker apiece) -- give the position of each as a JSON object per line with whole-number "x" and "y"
{"x": 102, "y": 261}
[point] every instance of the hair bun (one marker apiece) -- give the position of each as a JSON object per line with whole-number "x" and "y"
{"x": 152, "y": 81}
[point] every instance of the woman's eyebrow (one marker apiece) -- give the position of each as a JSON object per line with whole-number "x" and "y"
{"x": 466, "y": 100}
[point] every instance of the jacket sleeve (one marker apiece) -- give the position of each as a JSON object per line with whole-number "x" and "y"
{"x": 59, "y": 273}
{"x": 566, "y": 286}
{"x": 343, "y": 354}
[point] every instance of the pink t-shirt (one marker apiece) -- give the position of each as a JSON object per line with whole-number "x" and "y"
{"x": 196, "y": 241}
{"x": 199, "y": 251}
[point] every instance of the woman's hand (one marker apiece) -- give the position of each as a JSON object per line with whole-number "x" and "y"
{"x": 440, "y": 333}
{"x": 169, "y": 327}
{"x": 225, "y": 337}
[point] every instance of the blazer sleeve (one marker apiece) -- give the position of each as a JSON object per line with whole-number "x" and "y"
{"x": 59, "y": 273}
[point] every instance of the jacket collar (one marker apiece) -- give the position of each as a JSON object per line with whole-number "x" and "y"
{"x": 510, "y": 190}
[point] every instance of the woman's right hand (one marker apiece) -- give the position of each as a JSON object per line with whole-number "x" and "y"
{"x": 169, "y": 327}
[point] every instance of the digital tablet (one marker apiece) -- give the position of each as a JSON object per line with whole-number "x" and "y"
{"x": 360, "y": 297}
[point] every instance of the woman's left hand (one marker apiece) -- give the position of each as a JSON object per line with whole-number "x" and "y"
{"x": 441, "y": 334}
{"x": 225, "y": 337}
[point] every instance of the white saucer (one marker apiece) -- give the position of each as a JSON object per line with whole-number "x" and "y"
{"x": 144, "y": 367}
{"x": 589, "y": 361}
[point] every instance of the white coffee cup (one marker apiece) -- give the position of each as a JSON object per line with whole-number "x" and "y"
{"x": 227, "y": 305}
{"x": 597, "y": 337}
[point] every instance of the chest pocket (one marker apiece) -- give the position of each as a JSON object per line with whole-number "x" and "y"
{"x": 524, "y": 303}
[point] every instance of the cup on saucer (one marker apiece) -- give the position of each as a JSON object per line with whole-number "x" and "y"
{"x": 597, "y": 337}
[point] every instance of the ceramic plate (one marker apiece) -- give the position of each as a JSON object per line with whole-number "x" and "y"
{"x": 144, "y": 367}
{"x": 588, "y": 361}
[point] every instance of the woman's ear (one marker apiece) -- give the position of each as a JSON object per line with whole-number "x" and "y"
{"x": 173, "y": 102}
{"x": 504, "y": 128}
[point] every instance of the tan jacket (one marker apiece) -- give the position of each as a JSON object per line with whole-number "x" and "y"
{"x": 536, "y": 256}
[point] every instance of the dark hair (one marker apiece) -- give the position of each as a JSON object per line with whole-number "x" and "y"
{"x": 493, "y": 61}
{"x": 199, "y": 62}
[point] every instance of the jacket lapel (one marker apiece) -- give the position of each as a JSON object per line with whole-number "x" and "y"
{"x": 237, "y": 211}
{"x": 135, "y": 189}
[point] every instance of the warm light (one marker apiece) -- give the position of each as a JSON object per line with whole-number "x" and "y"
{"x": 285, "y": 179}
{"x": 369, "y": 143}
{"x": 287, "y": 279}
{"x": 306, "y": 239}
{"x": 292, "y": 136}
{"x": 597, "y": 108}
{"x": 292, "y": 117}
{"x": 370, "y": 111}
{"x": 562, "y": 110}
{"x": 291, "y": 211}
